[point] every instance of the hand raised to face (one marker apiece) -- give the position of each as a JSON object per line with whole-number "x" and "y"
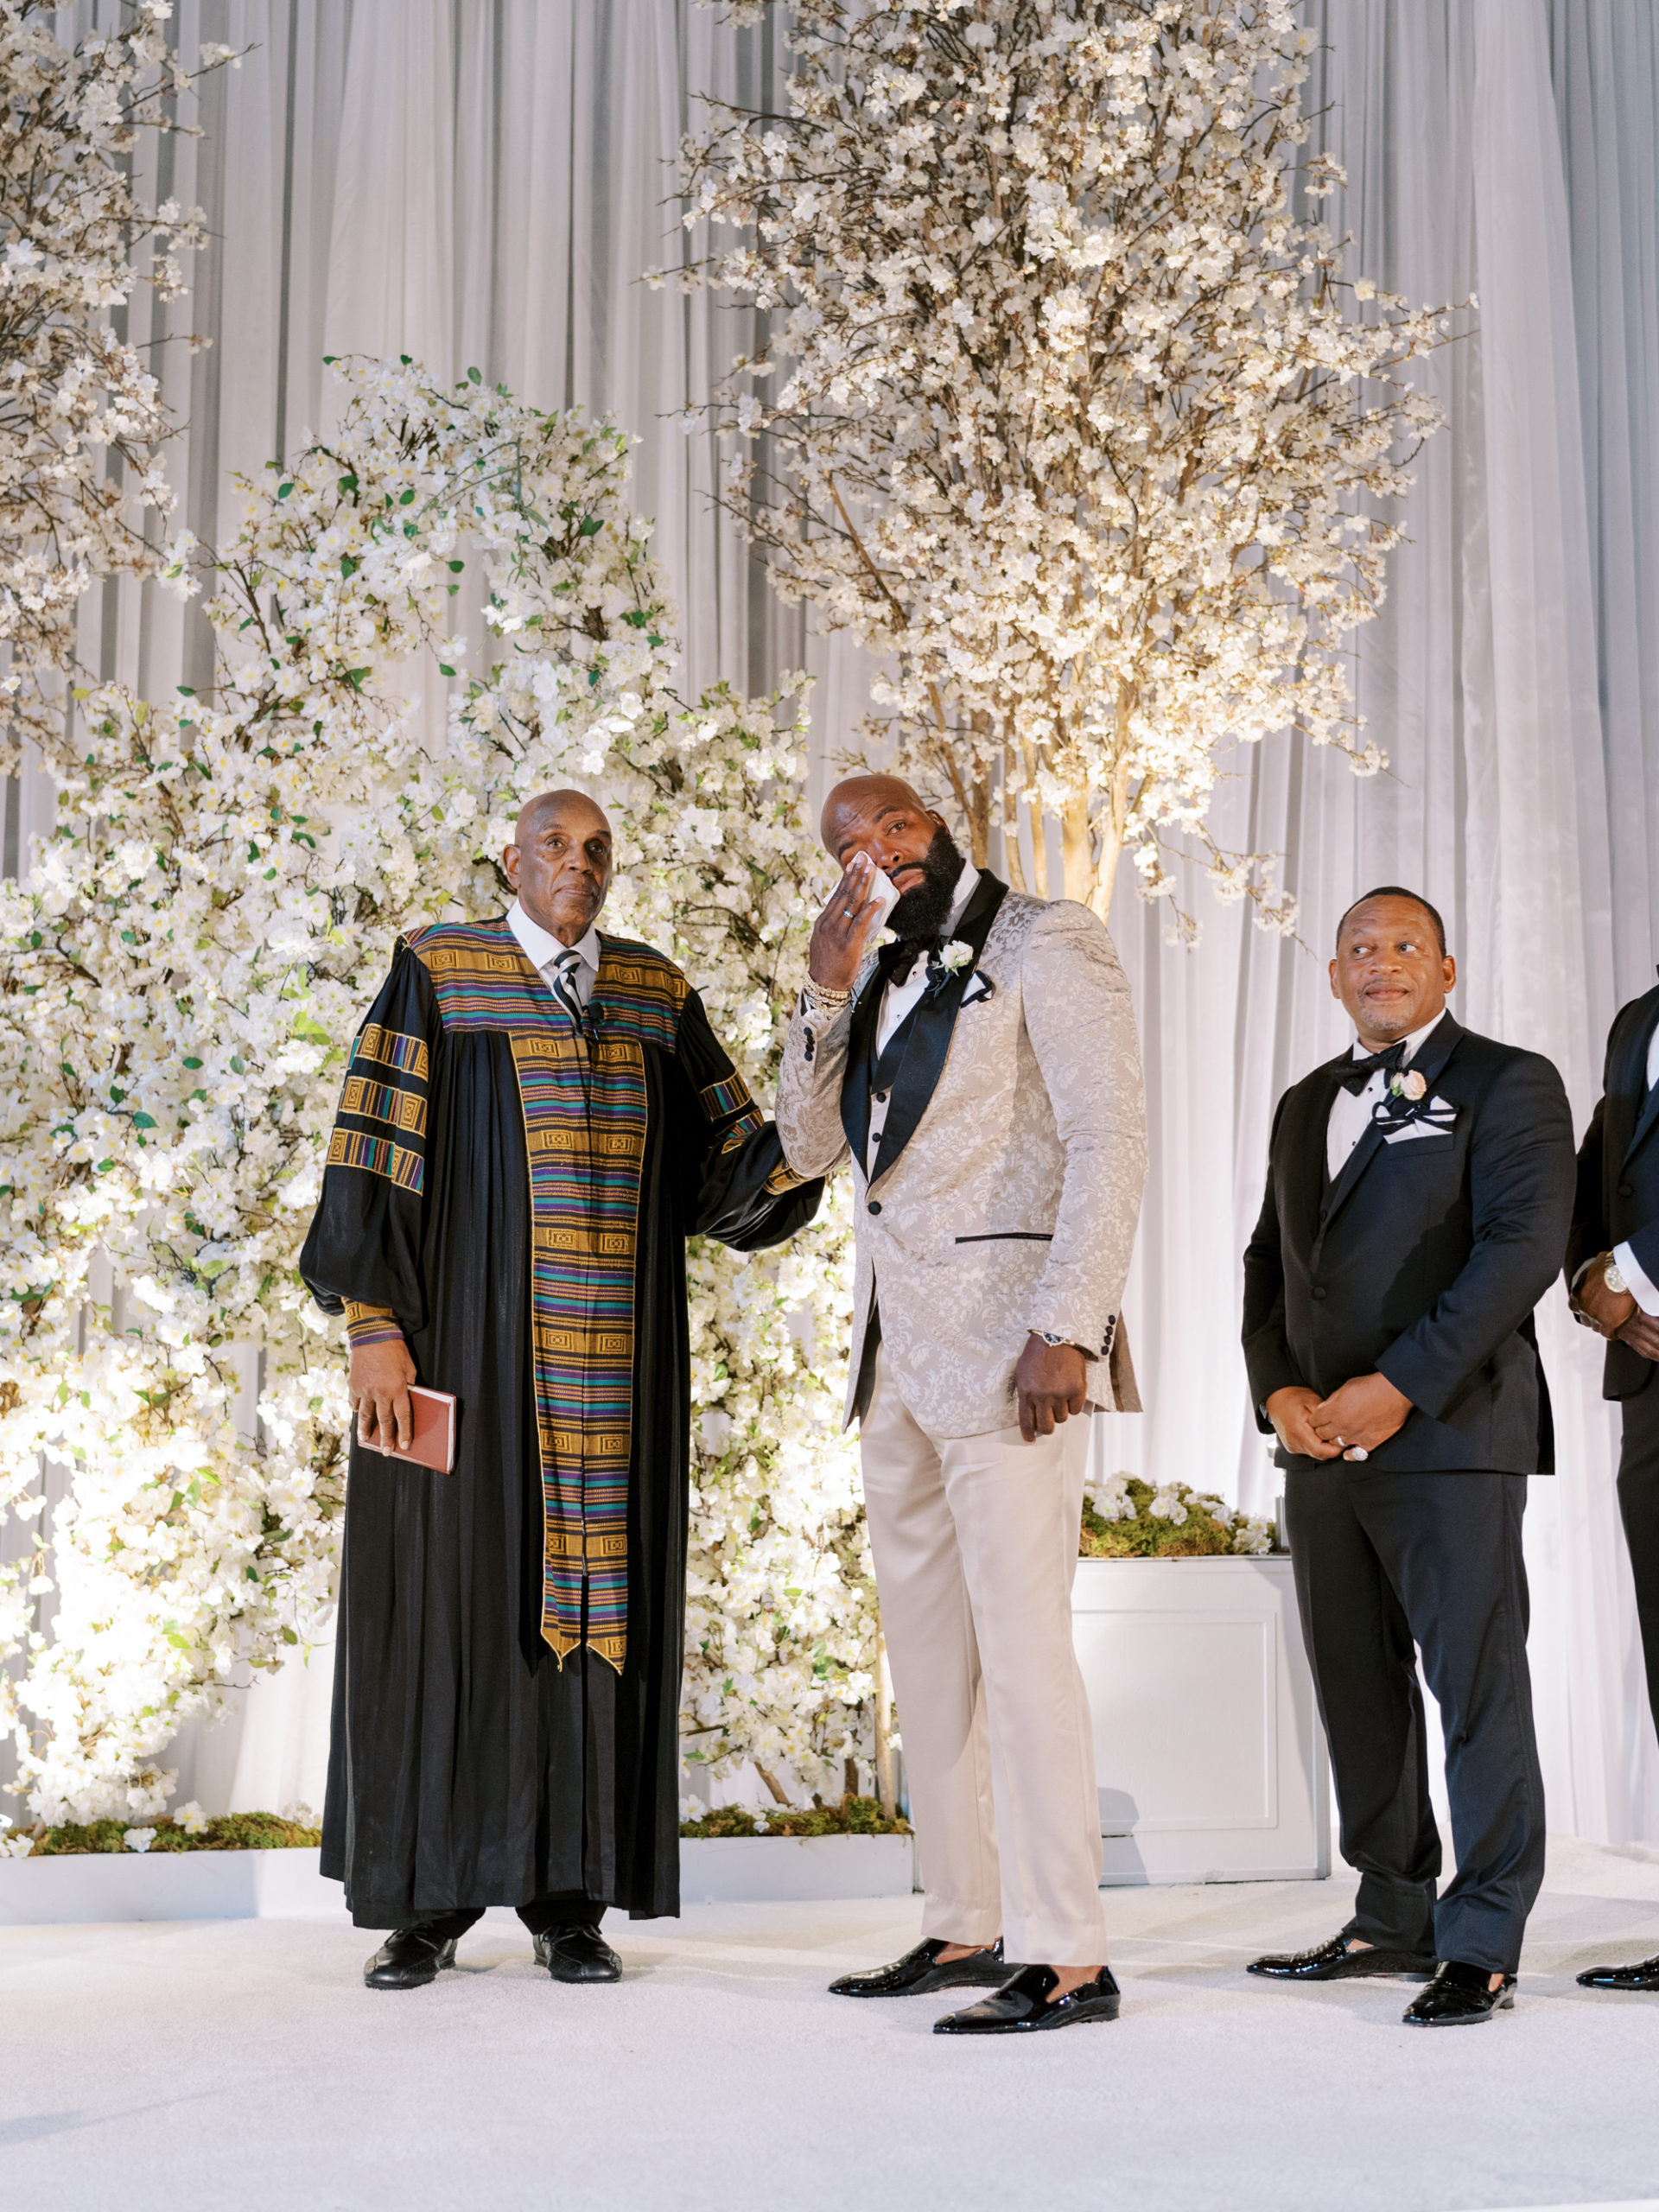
{"x": 841, "y": 933}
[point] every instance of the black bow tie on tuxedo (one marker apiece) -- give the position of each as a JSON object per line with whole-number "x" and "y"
{"x": 896, "y": 960}
{"x": 1358, "y": 1073}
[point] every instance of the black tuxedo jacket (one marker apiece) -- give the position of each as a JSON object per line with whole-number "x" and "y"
{"x": 1422, "y": 1261}
{"x": 1618, "y": 1198}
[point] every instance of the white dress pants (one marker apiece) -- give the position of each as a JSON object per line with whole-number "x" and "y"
{"x": 975, "y": 1545}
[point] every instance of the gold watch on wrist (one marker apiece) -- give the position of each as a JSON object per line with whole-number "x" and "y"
{"x": 1612, "y": 1276}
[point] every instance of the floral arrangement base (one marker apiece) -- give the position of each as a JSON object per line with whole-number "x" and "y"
{"x": 84, "y": 1886}
{"x": 780, "y": 1869}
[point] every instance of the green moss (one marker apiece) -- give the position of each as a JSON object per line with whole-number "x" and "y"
{"x": 853, "y": 1816}
{"x": 1149, "y": 1537}
{"x": 232, "y": 1832}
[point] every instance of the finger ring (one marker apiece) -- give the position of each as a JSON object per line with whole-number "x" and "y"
{"x": 1341, "y": 1444}
{"x": 1359, "y": 1453}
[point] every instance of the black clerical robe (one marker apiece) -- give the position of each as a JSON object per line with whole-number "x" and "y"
{"x": 516, "y": 1188}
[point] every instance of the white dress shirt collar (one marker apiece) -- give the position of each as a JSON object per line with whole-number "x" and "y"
{"x": 541, "y": 948}
{"x": 1413, "y": 1041}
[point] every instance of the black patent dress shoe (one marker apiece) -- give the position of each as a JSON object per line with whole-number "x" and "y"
{"x": 577, "y": 1952}
{"x": 1334, "y": 1961}
{"x": 1023, "y": 2005}
{"x": 1457, "y": 1996}
{"x": 1644, "y": 1974}
{"x": 409, "y": 1958}
{"x": 920, "y": 1973}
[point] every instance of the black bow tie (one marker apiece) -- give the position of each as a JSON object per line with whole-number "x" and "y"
{"x": 896, "y": 960}
{"x": 1358, "y": 1073}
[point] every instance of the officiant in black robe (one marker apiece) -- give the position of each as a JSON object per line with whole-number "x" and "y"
{"x": 535, "y": 1116}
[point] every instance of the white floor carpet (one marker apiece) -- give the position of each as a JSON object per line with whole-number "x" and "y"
{"x": 168, "y": 2066}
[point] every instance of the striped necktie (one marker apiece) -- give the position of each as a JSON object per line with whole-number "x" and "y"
{"x": 563, "y": 983}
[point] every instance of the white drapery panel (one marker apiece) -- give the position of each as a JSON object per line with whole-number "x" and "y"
{"x": 481, "y": 182}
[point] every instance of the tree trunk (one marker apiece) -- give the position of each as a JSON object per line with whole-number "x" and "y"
{"x": 885, "y": 1788}
{"x": 1011, "y": 859}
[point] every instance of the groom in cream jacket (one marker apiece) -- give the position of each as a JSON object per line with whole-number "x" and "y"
{"x": 982, "y": 1073}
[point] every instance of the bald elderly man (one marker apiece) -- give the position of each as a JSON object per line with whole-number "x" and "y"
{"x": 535, "y": 1116}
{"x": 982, "y": 1073}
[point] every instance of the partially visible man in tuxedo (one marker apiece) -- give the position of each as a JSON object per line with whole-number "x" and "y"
{"x": 983, "y": 1074}
{"x": 1419, "y": 1190}
{"x": 1612, "y": 1268}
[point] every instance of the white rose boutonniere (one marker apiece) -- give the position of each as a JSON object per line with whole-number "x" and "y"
{"x": 955, "y": 954}
{"x": 1409, "y": 1085}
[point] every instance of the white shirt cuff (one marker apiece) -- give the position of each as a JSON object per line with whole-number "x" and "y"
{"x": 1636, "y": 1281}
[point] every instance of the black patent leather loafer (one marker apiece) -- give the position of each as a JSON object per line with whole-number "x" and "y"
{"x": 920, "y": 1973}
{"x": 577, "y": 1952}
{"x": 1334, "y": 1961}
{"x": 1023, "y": 2005}
{"x": 409, "y": 1958}
{"x": 1644, "y": 1974}
{"x": 1457, "y": 1996}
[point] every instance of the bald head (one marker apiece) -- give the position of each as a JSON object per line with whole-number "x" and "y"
{"x": 560, "y": 862}
{"x": 861, "y": 796}
{"x": 576, "y": 805}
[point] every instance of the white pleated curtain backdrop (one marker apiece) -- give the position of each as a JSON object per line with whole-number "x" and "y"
{"x": 481, "y": 182}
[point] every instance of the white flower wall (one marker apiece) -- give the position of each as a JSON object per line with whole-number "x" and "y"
{"x": 177, "y": 983}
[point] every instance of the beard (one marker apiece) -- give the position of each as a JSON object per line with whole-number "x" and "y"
{"x": 921, "y": 911}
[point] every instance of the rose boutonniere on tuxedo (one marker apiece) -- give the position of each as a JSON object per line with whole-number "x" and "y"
{"x": 955, "y": 954}
{"x": 1410, "y": 1085}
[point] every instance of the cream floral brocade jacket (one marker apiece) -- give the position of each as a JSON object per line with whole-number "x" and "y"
{"x": 1012, "y": 1206}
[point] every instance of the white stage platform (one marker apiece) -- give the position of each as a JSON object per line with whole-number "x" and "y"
{"x": 165, "y": 2066}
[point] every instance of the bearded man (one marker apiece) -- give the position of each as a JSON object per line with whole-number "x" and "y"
{"x": 983, "y": 1075}
{"x": 535, "y": 1117}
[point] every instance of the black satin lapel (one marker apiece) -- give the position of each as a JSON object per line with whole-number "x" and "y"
{"x": 1352, "y": 1168}
{"x": 930, "y": 1041}
{"x": 1633, "y": 1081}
{"x": 861, "y": 1061}
{"x": 1310, "y": 1146}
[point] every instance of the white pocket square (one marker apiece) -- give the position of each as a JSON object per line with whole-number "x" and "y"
{"x": 1435, "y": 1119}
{"x": 980, "y": 988}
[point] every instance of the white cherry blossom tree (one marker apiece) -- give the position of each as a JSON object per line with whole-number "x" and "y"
{"x": 81, "y": 418}
{"x": 1081, "y": 431}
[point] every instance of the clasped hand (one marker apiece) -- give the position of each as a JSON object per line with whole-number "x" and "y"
{"x": 1614, "y": 1313}
{"x": 1362, "y": 1414}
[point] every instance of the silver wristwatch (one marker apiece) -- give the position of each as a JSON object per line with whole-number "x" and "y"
{"x": 1613, "y": 1279}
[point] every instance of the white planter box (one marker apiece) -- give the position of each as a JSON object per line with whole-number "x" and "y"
{"x": 777, "y": 1869}
{"x": 165, "y": 1885}
{"x": 284, "y": 1885}
{"x": 1210, "y": 1758}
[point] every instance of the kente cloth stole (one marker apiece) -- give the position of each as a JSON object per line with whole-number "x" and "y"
{"x": 584, "y": 1098}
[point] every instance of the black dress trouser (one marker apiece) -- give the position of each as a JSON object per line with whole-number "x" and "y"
{"x": 1638, "y": 1504}
{"x": 540, "y": 1916}
{"x": 1387, "y": 1564}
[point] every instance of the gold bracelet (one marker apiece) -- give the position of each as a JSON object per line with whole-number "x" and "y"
{"x": 827, "y": 1000}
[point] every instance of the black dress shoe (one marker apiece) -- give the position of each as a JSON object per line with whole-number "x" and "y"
{"x": 409, "y": 1958}
{"x": 1334, "y": 1961}
{"x": 920, "y": 1973}
{"x": 1644, "y": 1974}
{"x": 1023, "y": 2006}
{"x": 577, "y": 1952}
{"x": 1457, "y": 1996}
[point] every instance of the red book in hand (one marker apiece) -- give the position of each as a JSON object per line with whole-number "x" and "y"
{"x": 433, "y": 1443}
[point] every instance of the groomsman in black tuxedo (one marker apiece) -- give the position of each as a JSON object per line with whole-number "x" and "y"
{"x": 1612, "y": 1267}
{"x": 1419, "y": 1190}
